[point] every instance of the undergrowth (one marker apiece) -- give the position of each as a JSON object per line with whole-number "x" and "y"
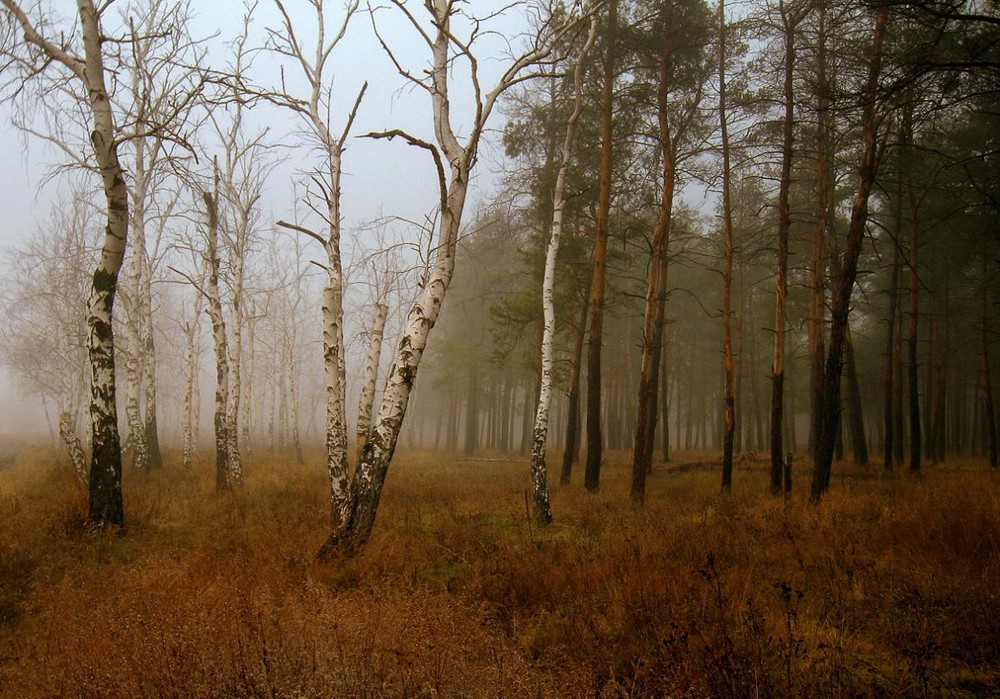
{"x": 888, "y": 588}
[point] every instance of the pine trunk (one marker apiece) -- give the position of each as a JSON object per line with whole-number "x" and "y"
{"x": 595, "y": 443}
{"x": 656, "y": 288}
{"x": 855, "y": 416}
{"x": 781, "y": 290}
{"x": 729, "y": 393}
{"x": 844, "y": 284}
{"x": 572, "y": 448}
{"x": 988, "y": 408}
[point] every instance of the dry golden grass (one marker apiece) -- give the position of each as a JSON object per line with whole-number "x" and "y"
{"x": 889, "y": 588}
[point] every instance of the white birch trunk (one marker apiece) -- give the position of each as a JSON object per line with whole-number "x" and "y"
{"x": 138, "y": 324}
{"x": 248, "y": 405}
{"x": 191, "y": 392}
{"x": 539, "y": 472}
{"x": 236, "y": 355}
{"x": 188, "y": 412}
{"x": 223, "y": 474}
{"x": 367, "y": 399}
{"x": 67, "y": 433}
{"x": 133, "y": 416}
{"x": 293, "y": 389}
{"x": 105, "y": 484}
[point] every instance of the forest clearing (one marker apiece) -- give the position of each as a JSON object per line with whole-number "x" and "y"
{"x": 889, "y": 587}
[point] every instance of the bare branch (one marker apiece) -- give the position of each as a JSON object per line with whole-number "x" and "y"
{"x": 302, "y": 229}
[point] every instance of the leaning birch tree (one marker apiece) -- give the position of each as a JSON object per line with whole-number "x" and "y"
{"x": 539, "y": 472}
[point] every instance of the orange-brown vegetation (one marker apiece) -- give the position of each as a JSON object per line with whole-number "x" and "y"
{"x": 890, "y": 587}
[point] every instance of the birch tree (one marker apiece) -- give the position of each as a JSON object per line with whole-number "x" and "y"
{"x": 44, "y": 344}
{"x": 315, "y": 110}
{"x": 451, "y": 37}
{"x": 223, "y": 469}
{"x": 539, "y": 472}
{"x": 84, "y": 59}
{"x": 86, "y": 66}
{"x": 161, "y": 86}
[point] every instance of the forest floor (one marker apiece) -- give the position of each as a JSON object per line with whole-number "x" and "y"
{"x": 889, "y": 588}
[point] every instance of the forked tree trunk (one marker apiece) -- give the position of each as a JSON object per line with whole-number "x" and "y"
{"x": 365, "y": 490}
{"x": 595, "y": 443}
{"x": 656, "y": 288}
{"x": 539, "y": 470}
{"x": 844, "y": 283}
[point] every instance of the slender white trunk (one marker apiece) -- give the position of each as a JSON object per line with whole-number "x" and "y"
{"x": 67, "y": 433}
{"x": 293, "y": 390}
{"x": 539, "y": 472}
{"x": 191, "y": 393}
{"x": 367, "y": 399}
{"x": 188, "y": 412}
{"x": 223, "y": 474}
{"x": 248, "y": 406}
{"x": 133, "y": 389}
{"x": 236, "y": 355}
